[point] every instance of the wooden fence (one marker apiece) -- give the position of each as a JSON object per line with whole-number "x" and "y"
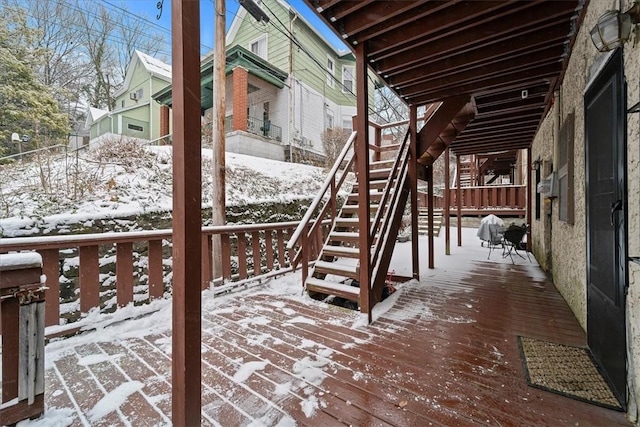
{"x": 506, "y": 200}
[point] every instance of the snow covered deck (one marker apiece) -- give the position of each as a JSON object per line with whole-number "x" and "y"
{"x": 442, "y": 351}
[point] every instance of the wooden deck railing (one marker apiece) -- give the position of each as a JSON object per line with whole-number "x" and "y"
{"x": 483, "y": 200}
{"x": 142, "y": 260}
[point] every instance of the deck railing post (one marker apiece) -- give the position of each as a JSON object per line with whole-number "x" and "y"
{"x": 22, "y": 308}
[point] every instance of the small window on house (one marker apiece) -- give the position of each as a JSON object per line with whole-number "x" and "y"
{"x": 347, "y": 124}
{"x": 347, "y": 79}
{"x": 135, "y": 127}
{"x": 330, "y": 72}
{"x": 122, "y": 104}
{"x": 259, "y": 47}
{"x": 565, "y": 171}
{"x": 329, "y": 119}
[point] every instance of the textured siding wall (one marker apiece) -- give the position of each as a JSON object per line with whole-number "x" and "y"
{"x": 561, "y": 247}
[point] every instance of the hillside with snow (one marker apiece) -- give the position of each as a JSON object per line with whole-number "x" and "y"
{"x": 125, "y": 178}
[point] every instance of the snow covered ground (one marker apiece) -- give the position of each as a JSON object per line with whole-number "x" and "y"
{"x": 127, "y": 179}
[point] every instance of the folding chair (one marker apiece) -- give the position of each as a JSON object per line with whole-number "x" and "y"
{"x": 495, "y": 237}
{"x": 512, "y": 240}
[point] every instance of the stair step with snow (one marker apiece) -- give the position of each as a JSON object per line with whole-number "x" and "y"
{"x": 348, "y": 222}
{"x": 373, "y": 185}
{"x": 344, "y": 236}
{"x": 378, "y": 174}
{"x": 351, "y": 293}
{"x": 341, "y": 251}
{"x": 382, "y": 164}
{"x": 377, "y": 196}
{"x": 353, "y": 209}
{"x": 337, "y": 269}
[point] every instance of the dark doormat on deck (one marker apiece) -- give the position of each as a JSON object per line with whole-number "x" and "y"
{"x": 569, "y": 371}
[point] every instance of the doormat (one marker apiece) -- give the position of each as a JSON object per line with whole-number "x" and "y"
{"x": 565, "y": 370}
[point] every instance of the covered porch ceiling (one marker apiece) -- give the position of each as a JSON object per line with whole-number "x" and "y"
{"x": 509, "y": 56}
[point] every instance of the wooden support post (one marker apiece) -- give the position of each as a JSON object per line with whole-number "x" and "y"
{"x": 89, "y": 278}
{"x": 124, "y": 273}
{"x": 459, "y": 201}
{"x": 218, "y": 210}
{"x": 529, "y": 187}
{"x": 413, "y": 179}
{"x": 377, "y": 156}
{"x": 447, "y": 202}
{"x": 362, "y": 171}
{"x": 187, "y": 216}
{"x": 156, "y": 282}
{"x": 430, "y": 213}
{"x": 51, "y": 269}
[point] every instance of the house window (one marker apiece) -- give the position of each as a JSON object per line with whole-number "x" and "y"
{"x": 329, "y": 119}
{"x": 565, "y": 170}
{"x": 331, "y": 67}
{"x": 122, "y": 104}
{"x": 347, "y": 79}
{"x": 135, "y": 127}
{"x": 259, "y": 47}
{"x": 347, "y": 124}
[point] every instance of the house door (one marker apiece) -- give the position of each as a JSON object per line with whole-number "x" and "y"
{"x": 605, "y": 134}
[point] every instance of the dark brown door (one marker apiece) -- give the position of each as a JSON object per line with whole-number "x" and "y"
{"x": 605, "y": 133}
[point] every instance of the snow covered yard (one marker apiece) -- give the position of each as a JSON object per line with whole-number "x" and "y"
{"x": 442, "y": 351}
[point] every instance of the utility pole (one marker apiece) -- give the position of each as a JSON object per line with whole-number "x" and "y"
{"x": 219, "y": 111}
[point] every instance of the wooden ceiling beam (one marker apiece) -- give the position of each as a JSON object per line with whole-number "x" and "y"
{"x": 396, "y": 14}
{"x": 502, "y": 67}
{"x": 519, "y": 78}
{"x": 504, "y": 126}
{"x": 504, "y": 118}
{"x": 343, "y": 9}
{"x": 449, "y": 19}
{"x": 496, "y": 132}
{"x": 515, "y": 80}
{"x": 526, "y": 22}
{"x": 488, "y": 148}
{"x": 512, "y": 95}
{"x": 519, "y": 49}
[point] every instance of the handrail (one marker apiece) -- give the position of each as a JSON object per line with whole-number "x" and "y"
{"x": 401, "y": 167}
{"x": 78, "y": 240}
{"x": 388, "y": 186}
{"x": 320, "y": 196}
{"x": 154, "y": 141}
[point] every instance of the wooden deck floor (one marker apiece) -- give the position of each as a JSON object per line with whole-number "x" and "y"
{"x": 445, "y": 354}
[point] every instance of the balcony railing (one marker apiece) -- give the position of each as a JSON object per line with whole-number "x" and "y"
{"x": 509, "y": 200}
{"x": 257, "y": 127}
{"x": 104, "y": 271}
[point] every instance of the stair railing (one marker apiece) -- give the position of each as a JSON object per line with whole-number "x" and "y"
{"x": 388, "y": 210}
{"x": 327, "y": 197}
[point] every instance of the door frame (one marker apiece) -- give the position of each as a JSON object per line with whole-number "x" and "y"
{"x": 615, "y": 59}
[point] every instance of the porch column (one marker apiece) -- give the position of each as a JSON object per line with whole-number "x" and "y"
{"x": 446, "y": 202}
{"x": 187, "y": 218}
{"x": 529, "y": 198}
{"x": 459, "y": 200}
{"x": 362, "y": 171}
{"x": 413, "y": 179}
{"x": 164, "y": 120}
{"x": 240, "y": 100}
{"x": 430, "y": 214}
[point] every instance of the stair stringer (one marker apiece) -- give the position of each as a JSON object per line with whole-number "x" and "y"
{"x": 387, "y": 252}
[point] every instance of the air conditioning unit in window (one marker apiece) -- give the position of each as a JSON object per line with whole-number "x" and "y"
{"x": 137, "y": 95}
{"x": 548, "y": 187}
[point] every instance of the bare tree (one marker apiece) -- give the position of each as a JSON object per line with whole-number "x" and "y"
{"x": 333, "y": 141}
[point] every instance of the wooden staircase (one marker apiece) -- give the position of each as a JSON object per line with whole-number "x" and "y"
{"x": 423, "y": 222}
{"x": 338, "y": 260}
{"x": 336, "y": 271}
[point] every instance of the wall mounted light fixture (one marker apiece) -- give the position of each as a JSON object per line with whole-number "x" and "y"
{"x": 614, "y": 28}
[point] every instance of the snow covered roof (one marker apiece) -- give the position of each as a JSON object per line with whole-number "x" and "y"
{"x": 93, "y": 115}
{"x": 154, "y": 66}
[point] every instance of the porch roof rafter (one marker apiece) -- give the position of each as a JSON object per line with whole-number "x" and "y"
{"x": 508, "y": 56}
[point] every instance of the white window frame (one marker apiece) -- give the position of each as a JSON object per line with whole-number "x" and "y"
{"x": 262, "y": 38}
{"x": 348, "y": 69}
{"x": 331, "y": 71}
{"x": 329, "y": 118}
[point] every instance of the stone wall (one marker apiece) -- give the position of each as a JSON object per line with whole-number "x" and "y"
{"x": 561, "y": 247}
